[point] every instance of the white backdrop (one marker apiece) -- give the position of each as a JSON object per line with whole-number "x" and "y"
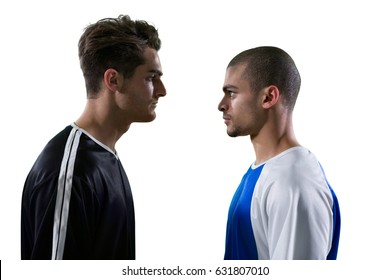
{"x": 182, "y": 167}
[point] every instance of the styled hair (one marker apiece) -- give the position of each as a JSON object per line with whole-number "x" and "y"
{"x": 267, "y": 66}
{"x": 117, "y": 43}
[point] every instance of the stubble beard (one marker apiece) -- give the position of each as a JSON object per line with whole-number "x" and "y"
{"x": 234, "y": 132}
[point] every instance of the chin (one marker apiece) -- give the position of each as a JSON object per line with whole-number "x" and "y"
{"x": 231, "y": 133}
{"x": 149, "y": 118}
{"x": 152, "y": 117}
{"x": 234, "y": 132}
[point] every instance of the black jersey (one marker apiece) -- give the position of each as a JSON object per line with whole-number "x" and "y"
{"x": 77, "y": 202}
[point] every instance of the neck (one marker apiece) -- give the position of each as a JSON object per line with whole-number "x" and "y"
{"x": 275, "y": 137}
{"x": 98, "y": 121}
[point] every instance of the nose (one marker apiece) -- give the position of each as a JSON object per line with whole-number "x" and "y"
{"x": 222, "y": 106}
{"x": 160, "y": 90}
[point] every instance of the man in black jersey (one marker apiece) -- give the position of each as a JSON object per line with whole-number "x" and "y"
{"x": 77, "y": 202}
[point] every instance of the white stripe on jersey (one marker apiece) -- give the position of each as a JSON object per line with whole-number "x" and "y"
{"x": 64, "y": 189}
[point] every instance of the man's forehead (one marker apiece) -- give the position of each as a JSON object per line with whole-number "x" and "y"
{"x": 235, "y": 71}
{"x": 152, "y": 61}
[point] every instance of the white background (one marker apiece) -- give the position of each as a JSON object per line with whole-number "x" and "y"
{"x": 182, "y": 167}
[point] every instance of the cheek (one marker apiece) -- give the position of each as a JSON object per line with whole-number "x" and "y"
{"x": 147, "y": 88}
{"x": 126, "y": 99}
{"x": 242, "y": 107}
{"x": 143, "y": 95}
{"x": 136, "y": 96}
{"x": 248, "y": 110}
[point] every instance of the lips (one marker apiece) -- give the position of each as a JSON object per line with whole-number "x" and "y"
{"x": 226, "y": 119}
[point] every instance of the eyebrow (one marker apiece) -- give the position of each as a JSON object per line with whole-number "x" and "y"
{"x": 155, "y": 71}
{"x": 225, "y": 87}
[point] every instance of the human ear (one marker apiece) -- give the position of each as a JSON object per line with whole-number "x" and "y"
{"x": 112, "y": 79}
{"x": 270, "y": 96}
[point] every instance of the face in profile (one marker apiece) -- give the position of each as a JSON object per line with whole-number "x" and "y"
{"x": 137, "y": 99}
{"x": 241, "y": 108}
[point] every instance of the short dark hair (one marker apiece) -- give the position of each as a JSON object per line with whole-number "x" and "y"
{"x": 267, "y": 66}
{"x": 117, "y": 43}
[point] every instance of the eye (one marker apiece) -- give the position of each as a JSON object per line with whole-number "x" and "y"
{"x": 151, "y": 77}
{"x": 230, "y": 93}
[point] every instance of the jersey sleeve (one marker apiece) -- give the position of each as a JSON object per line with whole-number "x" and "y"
{"x": 299, "y": 220}
{"x": 84, "y": 213}
{"x": 37, "y": 214}
{"x": 38, "y": 204}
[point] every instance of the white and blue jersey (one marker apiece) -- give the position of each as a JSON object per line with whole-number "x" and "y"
{"x": 284, "y": 209}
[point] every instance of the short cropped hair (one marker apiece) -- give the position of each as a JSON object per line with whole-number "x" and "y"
{"x": 267, "y": 66}
{"x": 117, "y": 43}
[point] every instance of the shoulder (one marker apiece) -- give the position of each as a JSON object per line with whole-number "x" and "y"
{"x": 294, "y": 166}
{"x": 294, "y": 173}
{"x": 54, "y": 149}
{"x": 48, "y": 162}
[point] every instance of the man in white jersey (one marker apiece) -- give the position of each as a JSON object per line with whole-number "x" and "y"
{"x": 284, "y": 207}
